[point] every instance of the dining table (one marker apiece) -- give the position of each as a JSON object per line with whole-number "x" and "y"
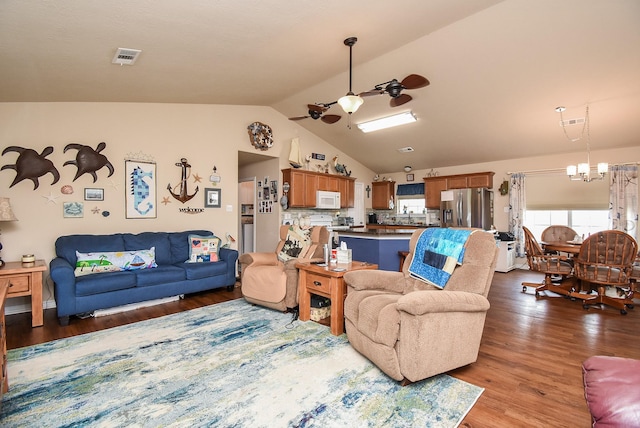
{"x": 572, "y": 248}
{"x": 569, "y": 247}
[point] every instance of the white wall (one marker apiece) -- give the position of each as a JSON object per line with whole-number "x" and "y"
{"x": 206, "y": 135}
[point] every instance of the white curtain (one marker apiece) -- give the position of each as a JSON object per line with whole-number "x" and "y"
{"x": 517, "y": 205}
{"x": 623, "y": 199}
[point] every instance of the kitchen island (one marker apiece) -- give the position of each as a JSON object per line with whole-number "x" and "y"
{"x": 377, "y": 246}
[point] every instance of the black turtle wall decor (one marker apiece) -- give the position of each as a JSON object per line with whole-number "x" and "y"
{"x": 88, "y": 160}
{"x": 31, "y": 166}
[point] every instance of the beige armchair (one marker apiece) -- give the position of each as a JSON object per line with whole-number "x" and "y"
{"x": 271, "y": 279}
{"x": 412, "y": 330}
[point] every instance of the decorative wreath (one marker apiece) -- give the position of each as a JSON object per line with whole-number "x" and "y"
{"x": 260, "y": 135}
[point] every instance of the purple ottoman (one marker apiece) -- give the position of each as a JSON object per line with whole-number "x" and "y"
{"x": 612, "y": 390}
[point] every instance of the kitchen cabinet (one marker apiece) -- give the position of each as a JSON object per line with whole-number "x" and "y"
{"x": 304, "y": 184}
{"x": 382, "y": 192}
{"x": 347, "y": 192}
{"x": 457, "y": 182}
{"x": 297, "y": 187}
{"x": 328, "y": 182}
{"x": 434, "y": 185}
{"x": 432, "y": 188}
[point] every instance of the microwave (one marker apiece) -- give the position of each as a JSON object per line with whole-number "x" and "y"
{"x": 327, "y": 200}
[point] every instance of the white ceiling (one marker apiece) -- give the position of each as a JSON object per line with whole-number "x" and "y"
{"x": 497, "y": 68}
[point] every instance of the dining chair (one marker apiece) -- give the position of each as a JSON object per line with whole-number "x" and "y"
{"x": 549, "y": 264}
{"x": 557, "y": 233}
{"x": 606, "y": 261}
{"x": 635, "y": 278}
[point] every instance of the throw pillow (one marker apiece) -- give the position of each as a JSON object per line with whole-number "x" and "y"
{"x": 203, "y": 248}
{"x": 116, "y": 261}
{"x": 296, "y": 244}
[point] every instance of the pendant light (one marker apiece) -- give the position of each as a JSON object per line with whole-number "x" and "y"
{"x": 583, "y": 170}
{"x": 350, "y": 102}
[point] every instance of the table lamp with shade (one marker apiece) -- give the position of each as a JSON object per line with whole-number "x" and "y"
{"x": 6, "y": 214}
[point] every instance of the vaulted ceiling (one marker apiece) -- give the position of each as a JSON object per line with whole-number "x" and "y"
{"x": 497, "y": 68}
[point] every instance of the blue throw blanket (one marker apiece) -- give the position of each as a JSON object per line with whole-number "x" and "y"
{"x": 437, "y": 253}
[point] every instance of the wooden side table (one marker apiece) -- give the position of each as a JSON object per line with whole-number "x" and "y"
{"x": 326, "y": 281}
{"x": 4, "y": 379}
{"x": 26, "y": 280}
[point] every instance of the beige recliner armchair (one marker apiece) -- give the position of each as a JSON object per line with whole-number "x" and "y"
{"x": 271, "y": 279}
{"x": 412, "y": 330}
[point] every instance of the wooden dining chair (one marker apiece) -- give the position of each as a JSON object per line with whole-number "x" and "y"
{"x": 549, "y": 264}
{"x": 606, "y": 261}
{"x": 635, "y": 278}
{"x": 558, "y": 233}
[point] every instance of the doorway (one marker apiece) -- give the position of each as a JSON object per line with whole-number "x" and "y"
{"x": 247, "y": 199}
{"x": 257, "y": 168}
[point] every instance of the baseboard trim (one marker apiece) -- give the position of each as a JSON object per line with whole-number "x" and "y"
{"x": 20, "y": 308}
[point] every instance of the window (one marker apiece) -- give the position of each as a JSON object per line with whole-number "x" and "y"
{"x": 410, "y": 199}
{"x": 413, "y": 206}
{"x": 584, "y": 222}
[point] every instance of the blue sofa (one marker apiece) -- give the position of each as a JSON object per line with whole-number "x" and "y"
{"x": 172, "y": 276}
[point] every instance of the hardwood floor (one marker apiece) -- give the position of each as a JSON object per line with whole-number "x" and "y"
{"x": 530, "y": 357}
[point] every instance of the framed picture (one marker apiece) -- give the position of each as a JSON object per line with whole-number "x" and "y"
{"x": 73, "y": 209}
{"x": 212, "y": 198}
{"x": 141, "y": 191}
{"x": 409, "y": 177}
{"x": 91, "y": 194}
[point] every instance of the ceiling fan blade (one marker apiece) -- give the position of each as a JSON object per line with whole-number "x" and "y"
{"x": 371, "y": 93}
{"x": 399, "y": 100}
{"x": 414, "y": 81}
{"x": 330, "y": 118}
{"x": 316, "y": 107}
{"x": 299, "y": 117}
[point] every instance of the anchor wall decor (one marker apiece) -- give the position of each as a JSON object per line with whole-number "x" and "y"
{"x": 183, "y": 196}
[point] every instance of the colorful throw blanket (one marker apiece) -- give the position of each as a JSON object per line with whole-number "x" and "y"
{"x": 437, "y": 253}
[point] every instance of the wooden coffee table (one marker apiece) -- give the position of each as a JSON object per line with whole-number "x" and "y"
{"x": 326, "y": 281}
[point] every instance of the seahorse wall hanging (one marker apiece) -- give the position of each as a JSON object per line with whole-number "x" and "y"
{"x": 183, "y": 196}
{"x": 31, "y": 166}
{"x": 140, "y": 190}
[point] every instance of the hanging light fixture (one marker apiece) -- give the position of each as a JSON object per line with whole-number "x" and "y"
{"x": 582, "y": 171}
{"x": 350, "y": 102}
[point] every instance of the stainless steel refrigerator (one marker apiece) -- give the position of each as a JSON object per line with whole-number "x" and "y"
{"x": 467, "y": 208}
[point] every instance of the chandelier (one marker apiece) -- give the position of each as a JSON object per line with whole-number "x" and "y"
{"x": 582, "y": 171}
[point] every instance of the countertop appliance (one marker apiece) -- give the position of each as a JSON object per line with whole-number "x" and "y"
{"x": 467, "y": 208}
{"x": 345, "y": 221}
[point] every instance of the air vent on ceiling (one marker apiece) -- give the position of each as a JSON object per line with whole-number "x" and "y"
{"x": 405, "y": 149}
{"x": 125, "y": 56}
{"x": 578, "y": 121}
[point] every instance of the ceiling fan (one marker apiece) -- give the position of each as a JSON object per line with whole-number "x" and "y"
{"x": 316, "y": 111}
{"x": 395, "y": 88}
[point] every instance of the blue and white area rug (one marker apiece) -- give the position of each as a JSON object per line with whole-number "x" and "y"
{"x": 225, "y": 365}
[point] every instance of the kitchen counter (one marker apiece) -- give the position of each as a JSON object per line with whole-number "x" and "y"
{"x": 376, "y": 233}
{"x": 377, "y": 246}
